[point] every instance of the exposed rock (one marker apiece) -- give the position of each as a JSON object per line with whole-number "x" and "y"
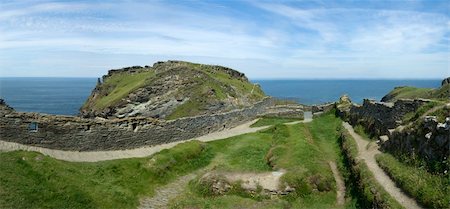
{"x": 445, "y": 81}
{"x": 170, "y": 89}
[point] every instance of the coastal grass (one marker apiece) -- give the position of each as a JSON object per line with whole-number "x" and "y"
{"x": 407, "y": 92}
{"x": 302, "y": 150}
{"x": 360, "y": 181}
{"x": 266, "y": 121}
{"x": 432, "y": 191}
{"x": 359, "y": 129}
{"x": 32, "y": 180}
{"x": 120, "y": 85}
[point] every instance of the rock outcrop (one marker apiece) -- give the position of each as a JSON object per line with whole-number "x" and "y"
{"x": 445, "y": 81}
{"x": 170, "y": 90}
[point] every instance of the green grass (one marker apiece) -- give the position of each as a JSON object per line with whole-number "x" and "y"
{"x": 408, "y": 92}
{"x": 119, "y": 86}
{"x": 360, "y": 180}
{"x": 266, "y": 121}
{"x": 32, "y": 180}
{"x": 432, "y": 191}
{"x": 207, "y": 86}
{"x": 359, "y": 129}
{"x": 303, "y": 150}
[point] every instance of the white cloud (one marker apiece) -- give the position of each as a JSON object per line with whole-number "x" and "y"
{"x": 289, "y": 42}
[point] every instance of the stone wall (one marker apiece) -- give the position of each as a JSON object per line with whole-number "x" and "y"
{"x": 426, "y": 139}
{"x": 322, "y": 108}
{"x": 378, "y": 117}
{"x": 286, "y": 111}
{"x": 429, "y": 140}
{"x": 83, "y": 134}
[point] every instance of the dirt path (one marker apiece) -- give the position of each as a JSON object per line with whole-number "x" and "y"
{"x": 367, "y": 153}
{"x": 340, "y": 186}
{"x": 94, "y": 156}
{"x": 166, "y": 193}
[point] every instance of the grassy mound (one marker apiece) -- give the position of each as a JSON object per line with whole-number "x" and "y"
{"x": 303, "y": 150}
{"x": 171, "y": 90}
{"x": 408, "y": 92}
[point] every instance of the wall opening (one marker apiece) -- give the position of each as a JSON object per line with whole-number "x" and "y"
{"x": 33, "y": 127}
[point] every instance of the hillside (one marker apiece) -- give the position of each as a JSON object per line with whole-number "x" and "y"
{"x": 170, "y": 90}
{"x": 408, "y": 92}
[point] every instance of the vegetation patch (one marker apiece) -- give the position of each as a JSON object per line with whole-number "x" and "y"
{"x": 432, "y": 191}
{"x": 32, "y": 180}
{"x": 118, "y": 86}
{"x": 266, "y": 121}
{"x": 361, "y": 181}
{"x": 408, "y": 92}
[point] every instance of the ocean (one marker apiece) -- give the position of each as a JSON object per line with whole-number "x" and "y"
{"x": 64, "y": 96}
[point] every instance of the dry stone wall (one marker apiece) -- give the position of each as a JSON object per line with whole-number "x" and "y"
{"x": 379, "y": 117}
{"x": 82, "y": 134}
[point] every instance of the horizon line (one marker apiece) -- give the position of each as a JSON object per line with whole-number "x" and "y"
{"x": 252, "y": 79}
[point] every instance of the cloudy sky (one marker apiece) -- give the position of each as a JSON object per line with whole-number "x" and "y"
{"x": 264, "y": 39}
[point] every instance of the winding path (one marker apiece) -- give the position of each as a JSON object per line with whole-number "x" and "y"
{"x": 367, "y": 153}
{"x": 166, "y": 193}
{"x": 340, "y": 185}
{"x": 94, "y": 156}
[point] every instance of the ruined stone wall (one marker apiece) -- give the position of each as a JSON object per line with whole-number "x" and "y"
{"x": 429, "y": 140}
{"x": 322, "y": 108}
{"x": 286, "y": 111}
{"x": 378, "y": 117}
{"x": 74, "y": 133}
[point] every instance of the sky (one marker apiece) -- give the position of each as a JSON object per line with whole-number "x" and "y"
{"x": 320, "y": 39}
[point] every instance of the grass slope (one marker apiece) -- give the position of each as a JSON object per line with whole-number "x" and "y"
{"x": 32, "y": 180}
{"x": 301, "y": 149}
{"x": 120, "y": 85}
{"x": 408, "y": 92}
{"x": 205, "y": 86}
{"x": 432, "y": 191}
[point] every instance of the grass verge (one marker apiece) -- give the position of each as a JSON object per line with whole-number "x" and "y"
{"x": 432, "y": 191}
{"x": 364, "y": 187}
{"x": 266, "y": 121}
{"x": 32, "y": 180}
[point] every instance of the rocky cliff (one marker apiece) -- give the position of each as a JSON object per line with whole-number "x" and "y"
{"x": 170, "y": 90}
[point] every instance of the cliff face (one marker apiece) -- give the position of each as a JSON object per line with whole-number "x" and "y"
{"x": 170, "y": 90}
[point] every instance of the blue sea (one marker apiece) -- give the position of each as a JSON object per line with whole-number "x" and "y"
{"x": 65, "y": 96}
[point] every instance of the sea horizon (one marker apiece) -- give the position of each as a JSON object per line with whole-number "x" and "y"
{"x": 65, "y": 95}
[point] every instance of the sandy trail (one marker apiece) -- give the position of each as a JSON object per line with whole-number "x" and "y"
{"x": 340, "y": 186}
{"x": 367, "y": 153}
{"x": 94, "y": 156}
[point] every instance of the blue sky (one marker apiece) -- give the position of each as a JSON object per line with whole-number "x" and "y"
{"x": 263, "y": 39}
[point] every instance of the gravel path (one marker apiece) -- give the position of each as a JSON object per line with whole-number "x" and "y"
{"x": 367, "y": 153}
{"x": 166, "y": 193}
{"x": 340, "y": 186}
{"x": 94, "y": 156}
